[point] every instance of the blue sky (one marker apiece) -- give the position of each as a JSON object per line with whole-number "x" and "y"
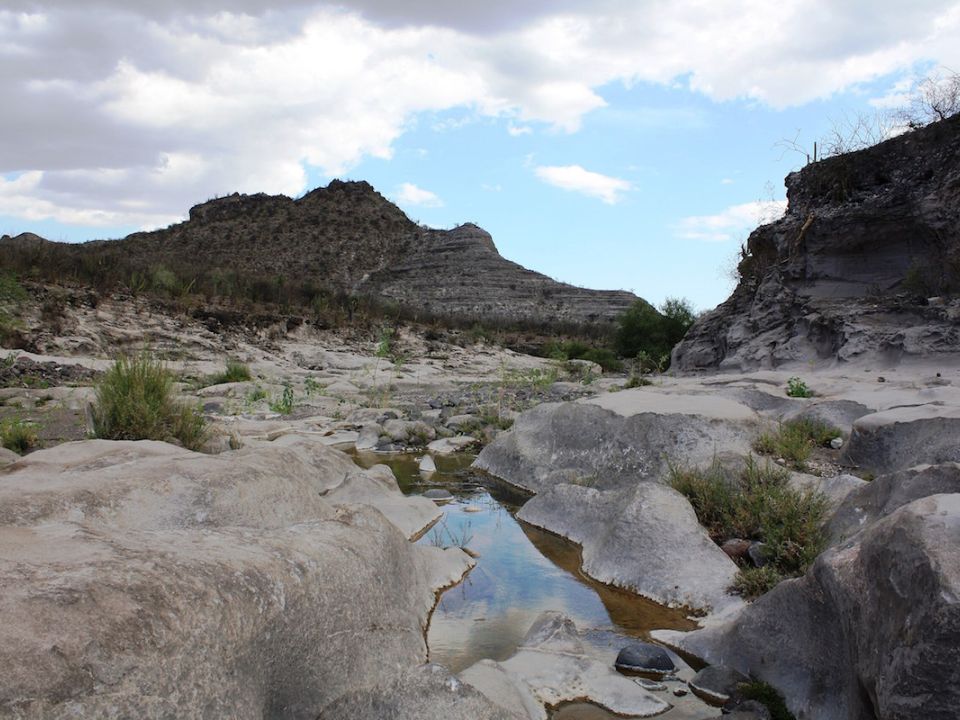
{"x": 622, "y": 145}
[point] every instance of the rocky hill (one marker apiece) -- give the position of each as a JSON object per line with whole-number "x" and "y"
{"x": 344, "y": 238}
{"x": 864, "y": 265}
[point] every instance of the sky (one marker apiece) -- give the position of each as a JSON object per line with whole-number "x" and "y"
{"x": 616, "y": 144}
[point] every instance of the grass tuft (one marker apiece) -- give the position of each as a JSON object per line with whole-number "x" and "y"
{"x": 135, "y": 402}
{"x": 795, "y": 440}
{"x": 18, "y": 435}
{"x": 756, "y": 502}
{"x": 766, "y": 695}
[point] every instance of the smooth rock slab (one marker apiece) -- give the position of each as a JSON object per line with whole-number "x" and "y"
{"x": 645, "y": 539}
{"x": 716, "y": 684}
{"x": 617, "y": 439}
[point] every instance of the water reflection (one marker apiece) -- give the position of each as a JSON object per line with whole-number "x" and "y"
{"x": 520, "y": 572}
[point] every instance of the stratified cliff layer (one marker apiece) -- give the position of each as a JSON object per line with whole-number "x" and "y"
{"x": 865, "y": 264}
{"x": 344, "y": 238}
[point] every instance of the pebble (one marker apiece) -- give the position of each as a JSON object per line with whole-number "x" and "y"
{"x": 836, "y": 443}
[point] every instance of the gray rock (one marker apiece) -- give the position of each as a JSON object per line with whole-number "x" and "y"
{"x": 176, "y": 584}
{"x": 836, "y": 443}
{"x": 830, "y": 280}
{"x": 438, "y": 495}
{"x": 717, "y": 684}
{"x": 749, "y": 710}
{"x": 756, "y": 553}
{"x": 427, "y": 693}
{"x": 644, "y": 657}
{"x": 900, "y": 438}
{"x": 877, "y": 499}
{"x": 645, "y": 539}
{"x": 736, "y": 548}
{"x": 369, "y": 437}
{"x": 870, "y": 631}
{"x": 7, "y": 456}
{"x": 616, "y": 439}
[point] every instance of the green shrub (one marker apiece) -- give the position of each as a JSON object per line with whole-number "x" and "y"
{"x": 18, "y": 435}
{"x": 135, "y": 401}
{"x": 794, "y": 440}
{"x": 797, "y": 388}
{"x": 284, "y": 404}
{"x": 642, "y": 328}
{"x": 756, "y": 502}
{"x": 235, "y": 371}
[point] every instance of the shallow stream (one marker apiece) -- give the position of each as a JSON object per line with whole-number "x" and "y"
{"x": 521, "y": 571}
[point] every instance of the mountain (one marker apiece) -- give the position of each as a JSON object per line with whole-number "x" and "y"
{"x": 344, "y": 238}
{"x": 864, "y": 265}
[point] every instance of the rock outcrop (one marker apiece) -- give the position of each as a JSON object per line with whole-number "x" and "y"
{"x": 143, "y": 580}
{"x": 862, "y": 266}
{"x": 873, "y": 627}
{"x": 343, "y": 238}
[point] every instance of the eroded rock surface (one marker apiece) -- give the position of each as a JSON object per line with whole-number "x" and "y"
{"x": 143, "y": 580}
{"x": 873, "y": 627}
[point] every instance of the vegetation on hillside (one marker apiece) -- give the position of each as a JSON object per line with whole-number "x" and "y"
{"x": 644, "y": 329}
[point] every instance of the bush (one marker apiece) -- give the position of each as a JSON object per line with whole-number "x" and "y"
{"x": 794, "y": 440}
{"x": 797, "y": 388}
{"x": 235, "y": 371}
{"x": 18, "y": 435}
{"x": 135, "y": 402}
{"x": 757, "y": 503}
{"x": 767, "y": 696}
{"x": 284, "y": 404}
{"x": 753, "y": 582}
{"x": 643, "y": 329}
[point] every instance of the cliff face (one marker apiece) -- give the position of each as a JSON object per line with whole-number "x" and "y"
{"x": 348, "y": 238}
{"x": 865, "y": 264}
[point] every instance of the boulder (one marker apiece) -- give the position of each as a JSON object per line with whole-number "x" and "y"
{"x": 877, "y": 499}
{"x": 451, "y": 445}
{"x": 617, "y": 438}
{"x": 643, "y": 657}
{"x": 873, "y": 627}
{"x": 717, "y": 684}
{"x": 902, "y": 437}
{"x": 144, "y": 580}
{"x": 645, "y": 539}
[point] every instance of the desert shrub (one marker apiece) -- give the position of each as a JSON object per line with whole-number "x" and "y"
{"x": 284, "y": 404}
{"x": 753, "y": 582}
{"x": 797, "y": 388}
{"x": 794, "y": 440}
{"x": 18, "y": 435}
{"x": 12, "y": 299}
{"x": 756, "y": 502}
{"x": 235, "y": 371}
{"x": 642, "y": 328}
{"x": 135, "y": 401}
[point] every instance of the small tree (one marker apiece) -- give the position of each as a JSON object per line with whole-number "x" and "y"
{"x": 643, "y": 329}
{"x": 934, "y": 98}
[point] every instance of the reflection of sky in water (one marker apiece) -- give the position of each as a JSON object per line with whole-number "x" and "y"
{"x": 488, "y": 614}
{"x": 520, "y": 573}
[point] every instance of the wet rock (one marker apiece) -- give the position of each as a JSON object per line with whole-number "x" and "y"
{"x": 903, "y": 437}
{"x": 427, "y": 465}
{"x": 449, "y": 446}
{"x": 429, "y": 692}
{"x": 651, "y": 685}
{"x": 646, "y": 658}
{"x": 717, "y": 684}
{"x": 872, "y": 626}
{"x": 553, "y": 666}
{"x": 438, "y": 495}
{"x": 645, "y": 539}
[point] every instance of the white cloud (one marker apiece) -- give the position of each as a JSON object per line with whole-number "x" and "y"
{"x": 228, "y": 95}
{"x": 732, "y": 222}
{"x": 727, "y": 181}
{"x": 410, "y": 194}
{"x": 577, "y": 179}
{"x": 518, "y": 130}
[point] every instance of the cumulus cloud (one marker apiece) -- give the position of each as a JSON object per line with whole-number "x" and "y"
{"x": 135, "y": 109}
{"x": 410, "y": 194}
{"x": 732, "y": 222}
{"x": 577, "y": 179}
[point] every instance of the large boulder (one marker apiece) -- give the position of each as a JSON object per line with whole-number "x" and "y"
{"x": 142, "y": 580}
{"x": 617, "y": 439}
{"x": 645, "y": 539}
{"x": 877, "y": 499}
{"x": 873, "y": 627}
{"x": 902, "y": 437}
